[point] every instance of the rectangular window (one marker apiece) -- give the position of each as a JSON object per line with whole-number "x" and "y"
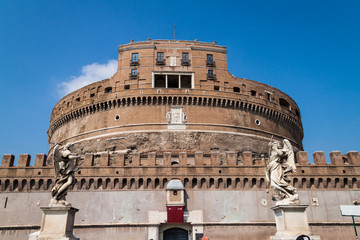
{"x": 216, "y": 88}
{"x": 160, "y": 59}
{"x": 211, "y": 75}
{"x": 185, "y": 81}
{"x": 210, "y": 60}
{"x": 159, "y": 81}
{"x": 134, "y": 72}
{"x": 135, "y": 57}
{"x": 160, "y": 56}
{"x": 268, "y": 96}
{"x": 185, "y": 59}
{"x": 173, "y": 81}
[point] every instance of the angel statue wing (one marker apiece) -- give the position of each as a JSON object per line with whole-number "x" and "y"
{"x": 57, "y": 159}
{"x": 290, "y": 156}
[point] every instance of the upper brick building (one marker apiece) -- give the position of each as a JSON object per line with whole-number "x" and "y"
{"x": 170, "y": 95}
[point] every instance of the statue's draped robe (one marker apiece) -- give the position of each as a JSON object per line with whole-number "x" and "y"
{"x": 275, "y": 173}
{"x": 65, "y": 167}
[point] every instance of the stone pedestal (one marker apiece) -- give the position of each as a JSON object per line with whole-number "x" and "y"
{"x": 57, "y": 224}
{"x": 291, "y": 222}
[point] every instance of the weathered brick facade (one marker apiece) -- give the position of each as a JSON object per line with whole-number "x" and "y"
{"x": 218, "y": 106}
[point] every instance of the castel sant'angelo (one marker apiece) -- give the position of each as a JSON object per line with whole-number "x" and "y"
{"x": 173, "y": 146}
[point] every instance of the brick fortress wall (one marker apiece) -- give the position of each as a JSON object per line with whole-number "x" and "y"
{"x": 216, "y": 171}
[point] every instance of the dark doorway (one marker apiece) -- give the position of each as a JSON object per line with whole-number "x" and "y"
{"x": 175, "y": 234}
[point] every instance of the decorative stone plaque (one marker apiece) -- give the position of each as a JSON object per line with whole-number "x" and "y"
{"x": 176, "y": 118}
{"x": 172, "y": 61}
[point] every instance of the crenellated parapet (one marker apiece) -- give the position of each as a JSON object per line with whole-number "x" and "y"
{"x": 215, "y": 170}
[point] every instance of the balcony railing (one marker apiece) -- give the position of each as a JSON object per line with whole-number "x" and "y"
{"x": 133, "y": 76}
{"x": 185, "y": 62}
{"x": 134, "y": 62}
{"x": 211, "y": 76}
{"x": 210, "y": 63}
{"x": 160, "y": 62}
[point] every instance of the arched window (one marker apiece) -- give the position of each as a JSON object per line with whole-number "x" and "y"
{"x": 108, "y": 90}
{"x": 284, "y": 103}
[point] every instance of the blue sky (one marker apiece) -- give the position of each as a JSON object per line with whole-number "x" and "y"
{"x": 308, "y": 49}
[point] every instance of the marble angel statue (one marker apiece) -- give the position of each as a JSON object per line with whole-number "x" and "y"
{"x": 64, "y": 173}
{"x": 281, "y": 163}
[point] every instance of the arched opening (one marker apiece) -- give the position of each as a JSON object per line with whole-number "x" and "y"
{"x": 148, "y": 183}
{"x": 48, "y": 184}
{"x": 23, "y": 184}
{"x": 141, "y": 183}
{"x": 157, "y": 183}
{"x": 108, "y": 90}
{"x": 176, "y": 234}
{"x": 32, "y": 184}
{"x": 15, "y": 184}
{"x": 284, "y": 103}
{"x": 211, "y": 183}
{"x": 194, "y": 183}
{"x": 82, "y": 184}
{"x": 116, "y": 183}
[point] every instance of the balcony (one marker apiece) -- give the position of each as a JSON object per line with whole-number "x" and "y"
{"x": 211, "y": 76}
{"x": 185, "y": 62}
{"x": 134, "y": 62}
{"x": 160, "y": 62}
{"x": 210, "y": 63}
{"x": 133, "y": 76}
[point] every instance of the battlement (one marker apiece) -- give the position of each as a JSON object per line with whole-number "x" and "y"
{"x": 123, "y": 170}
{"x": 167, "y": 159}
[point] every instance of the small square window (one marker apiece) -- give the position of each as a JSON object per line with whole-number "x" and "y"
{"x": 175, "y": 192}
{"x": 92, "y": 95}
{"x": 127, "y": 87}
{"x": 217, "y": 88}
